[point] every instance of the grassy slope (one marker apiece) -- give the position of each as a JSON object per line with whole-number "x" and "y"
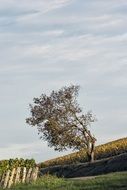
{"x": 104, "y": 182}
{"x": 102, "y": 151}
{"x": 113, "y": 164}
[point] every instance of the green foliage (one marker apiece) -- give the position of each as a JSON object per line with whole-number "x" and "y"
{"x": 104, "y": 182}
{"x": 102, "y": 151}
{"x": 61, "y": 122}
{"x": 14, "y": 163}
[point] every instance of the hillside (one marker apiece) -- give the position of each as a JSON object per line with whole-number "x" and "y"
{"x": 103, "y": 166}
{"x": 107, "y": 150}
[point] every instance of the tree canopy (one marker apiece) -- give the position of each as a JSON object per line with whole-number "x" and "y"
{"x": 60, "y": 120}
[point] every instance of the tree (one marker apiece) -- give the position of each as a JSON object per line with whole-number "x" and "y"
{"x": 60, "y": 121}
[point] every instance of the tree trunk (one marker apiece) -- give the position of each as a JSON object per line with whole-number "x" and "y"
{"x": 92, "y": 156}
{"x": 90, "y": 153}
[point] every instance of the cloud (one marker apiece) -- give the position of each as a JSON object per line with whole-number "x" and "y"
{"x": 36, "y": 149}
{"x": 51, "y": 43}
{"x": 12, "y": 8}
{"x": 15, "y": 15}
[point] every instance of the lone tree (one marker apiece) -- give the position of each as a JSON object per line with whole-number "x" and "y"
{"x": 60, "y": 121}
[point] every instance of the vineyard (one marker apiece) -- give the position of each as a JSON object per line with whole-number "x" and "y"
{"x": 15, "y": 163}
{"x": 16, "y": 171}
{"x": 102, "y": 151}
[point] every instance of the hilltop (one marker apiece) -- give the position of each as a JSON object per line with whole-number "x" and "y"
{"x": 110, "y": 157}
{"x": 107, "y": 150}
{"x": 113, "y": 164}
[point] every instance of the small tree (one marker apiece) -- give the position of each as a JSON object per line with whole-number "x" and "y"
{"x": 60, "y": 121}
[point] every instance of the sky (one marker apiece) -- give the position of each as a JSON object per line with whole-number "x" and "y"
{"x": 48, "y": 44}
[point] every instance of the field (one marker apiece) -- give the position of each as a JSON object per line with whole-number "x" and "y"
{"x": 108, "y": 165}
{"x": 102, "y": 151}
{"x": 110, "y": 157}
{"x": 103, "y": 182}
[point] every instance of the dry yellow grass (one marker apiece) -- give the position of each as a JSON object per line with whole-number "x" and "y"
{"x": 102, "y": 151}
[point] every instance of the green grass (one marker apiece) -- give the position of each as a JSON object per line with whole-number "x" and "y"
{"x": 104, "y": 182}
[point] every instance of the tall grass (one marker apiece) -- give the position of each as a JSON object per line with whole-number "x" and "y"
{"x": 104, "y": 182}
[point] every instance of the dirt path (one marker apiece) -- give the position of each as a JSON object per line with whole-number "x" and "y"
{"x": 83, "y": 178}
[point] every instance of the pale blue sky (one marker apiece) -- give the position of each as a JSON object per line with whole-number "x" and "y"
{"x": 47, "y": 44}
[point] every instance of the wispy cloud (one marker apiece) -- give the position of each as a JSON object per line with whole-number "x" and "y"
{"x": 28, "y": 151}
{"x": 12, "y": 8}
{"x": 47, "y": 44}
